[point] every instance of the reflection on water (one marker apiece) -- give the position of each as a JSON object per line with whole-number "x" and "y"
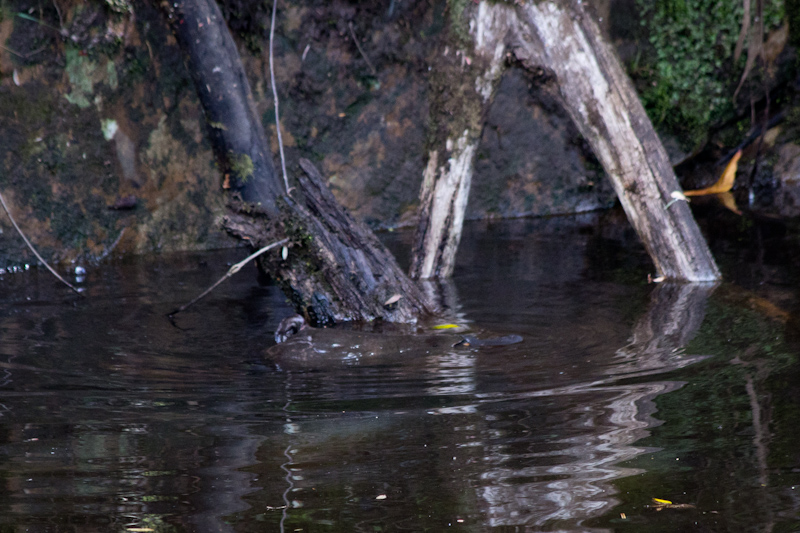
{"x": 113, "y": 419}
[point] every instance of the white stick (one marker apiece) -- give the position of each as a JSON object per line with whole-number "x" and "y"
{"x": 275, "y": 95}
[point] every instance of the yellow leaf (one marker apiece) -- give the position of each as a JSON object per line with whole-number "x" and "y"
{"x": 729, "y": 202}
{"x": 659, "y": 501}
{"x": 445, "y": 326}
{"x": 725, "y": 182}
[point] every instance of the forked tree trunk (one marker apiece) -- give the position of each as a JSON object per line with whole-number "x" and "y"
{"x": 335, "y": 269}
{"x": 558, "y": 37}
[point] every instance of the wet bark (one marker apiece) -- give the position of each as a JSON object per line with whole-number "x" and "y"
{"x": 237, "y": 136}
{"x": 335, "y": 269}
{"x": 463, "y": 80}
{"x": 557, "y": 38}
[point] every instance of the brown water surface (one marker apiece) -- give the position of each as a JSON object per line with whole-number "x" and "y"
{"x": 113, "y": 419}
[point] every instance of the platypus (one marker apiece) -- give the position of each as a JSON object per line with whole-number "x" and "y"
{"x": 302, "y": 346}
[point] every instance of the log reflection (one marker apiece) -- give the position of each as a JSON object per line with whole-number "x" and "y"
{"x": 605, "y": 419}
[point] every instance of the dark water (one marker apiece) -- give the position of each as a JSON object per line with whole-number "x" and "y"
{"x": 112, "y": 419}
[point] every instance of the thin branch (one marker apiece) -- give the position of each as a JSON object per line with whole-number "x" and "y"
{"x": 355, "y": 40}
{"x": 275, "y": 95}
{"x": 39, "y": 257}
{"x": 231, "y": 271}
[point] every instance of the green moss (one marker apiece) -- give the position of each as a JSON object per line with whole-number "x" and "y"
{"x": 242, "y": 166}
{"x": 688, "y": 79}
{"x": 79, "y": 70}
{"x": 459, "y": 25}
{"x": 119, "y": 6}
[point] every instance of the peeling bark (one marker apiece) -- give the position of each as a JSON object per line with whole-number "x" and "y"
{"x": 604, "y": 105}
{"x": 462, "y": 85}
{"x": 336, "y": 269}
{"x": 557, "y": 37}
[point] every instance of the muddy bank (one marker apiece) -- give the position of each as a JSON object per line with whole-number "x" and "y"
{"x": 104, "y": 150}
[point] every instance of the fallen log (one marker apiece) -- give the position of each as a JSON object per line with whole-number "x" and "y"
{"x": 334, "y": 268}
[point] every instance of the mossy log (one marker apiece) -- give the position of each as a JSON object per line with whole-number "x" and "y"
{"x": 336, "y": 269}
{"x": 462, "y": 83}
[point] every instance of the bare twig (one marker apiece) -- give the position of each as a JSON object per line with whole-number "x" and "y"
{"x": 231, "y": 271}
{"x": 355, "y": 40}
{"x": 275, "y": 95}
{"x": 39, "y": 257}
{"x": 60, "y": 20}
{"x": 23, "y": 56}
{"x": 110, "y": 249}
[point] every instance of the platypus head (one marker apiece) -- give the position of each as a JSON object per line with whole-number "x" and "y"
{"x": 288, "y": 327}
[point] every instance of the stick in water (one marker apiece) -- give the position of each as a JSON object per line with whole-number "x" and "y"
{"x": 231, "y": 271}
{"x": 39, "y": 257}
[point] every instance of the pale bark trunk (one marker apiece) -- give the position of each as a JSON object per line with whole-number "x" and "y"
{"x": 462, "y": 87}
{"x": 558, "y": 37}
{"x": 604, "y": 105}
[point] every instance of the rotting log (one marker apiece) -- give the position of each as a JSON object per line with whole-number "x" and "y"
{"x": 335, "y": 269}
{"x": 462, "y": 84}
{"x": 558, "y": 38}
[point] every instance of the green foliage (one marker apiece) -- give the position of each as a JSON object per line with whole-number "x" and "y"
{"x": 688, "y": 79}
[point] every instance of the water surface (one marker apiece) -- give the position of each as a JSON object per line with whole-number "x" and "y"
{"x": 114, "y": 419}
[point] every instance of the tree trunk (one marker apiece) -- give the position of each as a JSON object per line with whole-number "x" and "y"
{"x": 335, "y": 270}
{"x": 462, "y": 84}
{"x": 236, "y": 134}
{"x": 558, "y": 38}
{"x": 603, "y": 103}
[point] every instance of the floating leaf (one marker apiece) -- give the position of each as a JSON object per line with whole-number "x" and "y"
{"x": 725, "y": 182}
{"x": 659, "y": 501}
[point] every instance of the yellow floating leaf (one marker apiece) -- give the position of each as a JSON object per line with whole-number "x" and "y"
{"x": 446, "y": 326}
{"x": 659, "y": 501}
{"x": 725, "y": 182}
